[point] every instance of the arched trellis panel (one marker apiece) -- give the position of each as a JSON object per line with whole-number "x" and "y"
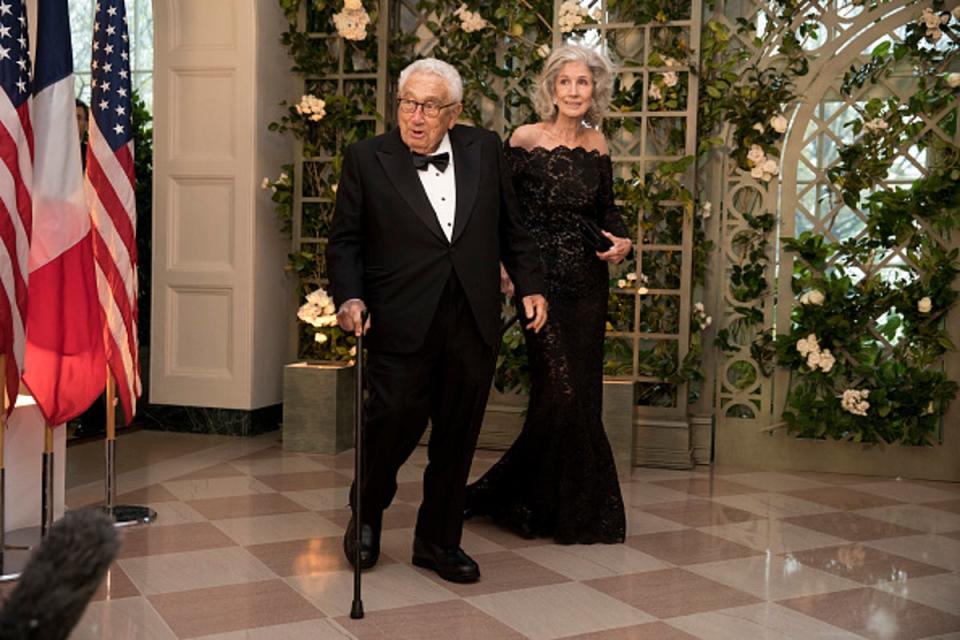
{"x": 751, "y": 394}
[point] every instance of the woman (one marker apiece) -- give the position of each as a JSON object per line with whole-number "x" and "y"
{"x": 559, "y": 479}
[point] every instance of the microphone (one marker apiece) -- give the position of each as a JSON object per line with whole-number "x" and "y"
{"x": 60, "y": 578}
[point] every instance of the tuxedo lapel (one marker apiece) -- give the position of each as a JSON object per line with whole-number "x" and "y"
{"x": 397, "y": 164}
{"x": 466, "y": 159}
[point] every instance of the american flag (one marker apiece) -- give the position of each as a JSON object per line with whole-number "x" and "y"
{"x": 110, "y": 194}
{"x": 16, "y": 178}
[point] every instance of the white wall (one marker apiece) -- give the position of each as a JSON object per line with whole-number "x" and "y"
{"x": 221, "y": 302}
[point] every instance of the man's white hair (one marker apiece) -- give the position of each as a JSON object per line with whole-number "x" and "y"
{"x": 438, "y": 68}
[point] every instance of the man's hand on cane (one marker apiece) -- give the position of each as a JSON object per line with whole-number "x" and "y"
{"x": 348, "y": 317}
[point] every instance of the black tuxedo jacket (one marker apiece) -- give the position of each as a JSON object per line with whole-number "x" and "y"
{"x": 386, "y": 246}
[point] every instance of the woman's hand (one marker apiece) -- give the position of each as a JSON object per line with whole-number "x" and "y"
{"x": 620, "y": 249}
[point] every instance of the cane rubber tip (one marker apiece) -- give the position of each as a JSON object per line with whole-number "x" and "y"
{"x": 356, "y": 612}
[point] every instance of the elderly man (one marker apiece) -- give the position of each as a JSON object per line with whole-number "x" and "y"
{"x": 424, "y": 216}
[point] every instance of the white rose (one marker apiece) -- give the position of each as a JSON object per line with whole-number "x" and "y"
{"x": 284, "y": 178}
{"x": 642, "y": 291}
{"x": 352, "y": 5}
{"x": 698, "y": 306}
{"x": 670, "y": 62}
{"x": 631, "y": 276}
{"x": 265, "y": 184}
{"x": 757, "y": 172}
{"x": 770, "y": 166}
{"x": 877, "y": 124}
{"x": 953, "y": 80}
{"x": 778, "y": 123}
{"x": 670, "y": 78}
{"x": 756, "y": 155}
{"x": 543, "y": 50}
{"x": 816, "y": 297}
{"x": 759, "y": 127}
{"x": 813, "y": 359}
{"x": 924, "y": 305}
{"x": 333, "y": 188}
{"x": 621, "y": 283}
{"x": 705, "y": 210}
{"x": 655, "y": 92}
{"x": 827, "y": 361}
{"x": 320, "y": 337}
{"x": 931, "y": 20}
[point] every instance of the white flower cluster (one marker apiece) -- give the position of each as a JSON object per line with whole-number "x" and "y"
{"x": 665, "y": 79}
{"x": 543, "y": 51}
{"x": 762, "y": 167}
{"x": 282, "y": 180}
{"x": 778, "y": 123}
{"x": 318, "y": 311}
{"x": 700, "y": 316}
{"x": 470, "y": 21}
{"x": 817, "y": 358}
{"x": 706, "y": 209}
{"x": 352, "y": 21}
{"x": 932, "y": 21}
{"x": 953, "y": 80}
{"x": 924, "y": 304}
{"x": 571, "y": 15}
{"x": 814, "y": 297}
{"x": 877, "y": 124}
{"x": 855, "y": 401}
{"x": 312, "y": 107}
{"x": 631, "y": 280}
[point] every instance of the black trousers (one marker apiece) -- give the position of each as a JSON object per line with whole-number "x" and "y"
{"x": 446, "y": 381}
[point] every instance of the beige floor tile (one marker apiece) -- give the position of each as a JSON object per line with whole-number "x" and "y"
{"x": 385, "y": 586}
{"x": 940, "y": 591}
{"x": 865, "y": 564}
{"x": 321, "y": 499}
{"x": 708, "y": 487}
{"x": 409, "y": 492}
{"x": 115, "y": 585}
{"x": 671, "y": 592}
{"x": 486, "y": 528}
{"x": 905, "y": 490}
{"x": 255, "y": 504}
{"x": 558, "y": 610}
{"x": 151, "y": 494}
{"x": 398, "y": 544}
{"x": 194, "y": 570}
{"x": 399, "y": 516}
{"x": 651, "y": 474}
{"x": 953, "y": 506}
{"x": 774, "y": 536}
{"x": 648, "y": 631}
{"x": 929, "y": 549}
{"x": 201, "y": 612}
{"x": 274, "y": 451}
{"x": 689, "y": 547}
{"x": 452, "y": 619}
{"x": 154, "y": 540}
{"x": 304, "y": 480}
{"x": 122, "y": 620}
{"x": 285, "y": 464}
{"x": 772, "y": 577}
{"x": 500, "y": 571}
{"x": 698, "y": 513}
{"x": 220, "y": 470}
{"x": 641, "y": 522}
{"x": 835, "y": 479}
{"x": 585, "y": 562}
{"x": 187, "y": 490}
{"x": 277, "y": 528}
{"x": 842, "y": 498}
{"x": 308, "y": 630}
{"x": 876, "y": 615}
{"x": 773, "y": 505}
{"x": 765, "y": 621}
{"x": 306, "y": 557}
{"x": 850, "y": 526}
{"x": 639, "y": 494}
{"x": 774, "y": 481}
{"x": 916, "y": 516}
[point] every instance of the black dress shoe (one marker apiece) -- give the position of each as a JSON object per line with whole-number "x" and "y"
{"x": 369, "y": 545}
{"x": 476, "y": 499}
{"x": 450, "y": 563}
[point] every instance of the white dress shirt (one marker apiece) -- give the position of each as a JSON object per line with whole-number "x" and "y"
{"x": 441, "y": 188}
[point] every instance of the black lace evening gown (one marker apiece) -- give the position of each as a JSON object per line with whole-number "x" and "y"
{"x": 559, "y": 479}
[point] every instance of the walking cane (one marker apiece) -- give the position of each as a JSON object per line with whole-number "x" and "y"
{"x": 356, "y": 611}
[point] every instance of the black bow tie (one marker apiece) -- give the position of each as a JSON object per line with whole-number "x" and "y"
{"x": 440, "y": 161}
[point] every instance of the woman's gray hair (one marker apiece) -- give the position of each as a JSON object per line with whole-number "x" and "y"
{"x": 544, "y": 93}
{"x": 440, "y": 68}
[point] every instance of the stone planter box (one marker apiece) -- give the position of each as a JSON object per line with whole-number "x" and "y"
{"x": 318, "y": 407}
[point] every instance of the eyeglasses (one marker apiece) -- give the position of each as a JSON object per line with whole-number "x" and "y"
{"x": 430, "y": 108}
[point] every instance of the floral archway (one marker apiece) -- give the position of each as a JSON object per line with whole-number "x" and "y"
{"x": 762, "y": 155}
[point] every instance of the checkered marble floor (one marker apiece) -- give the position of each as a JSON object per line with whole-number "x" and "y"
{"x": 248, "y": 545}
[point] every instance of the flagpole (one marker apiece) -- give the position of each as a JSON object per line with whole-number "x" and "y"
{"x": 46, "y": 482}
{"x": 124, "y": 515}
